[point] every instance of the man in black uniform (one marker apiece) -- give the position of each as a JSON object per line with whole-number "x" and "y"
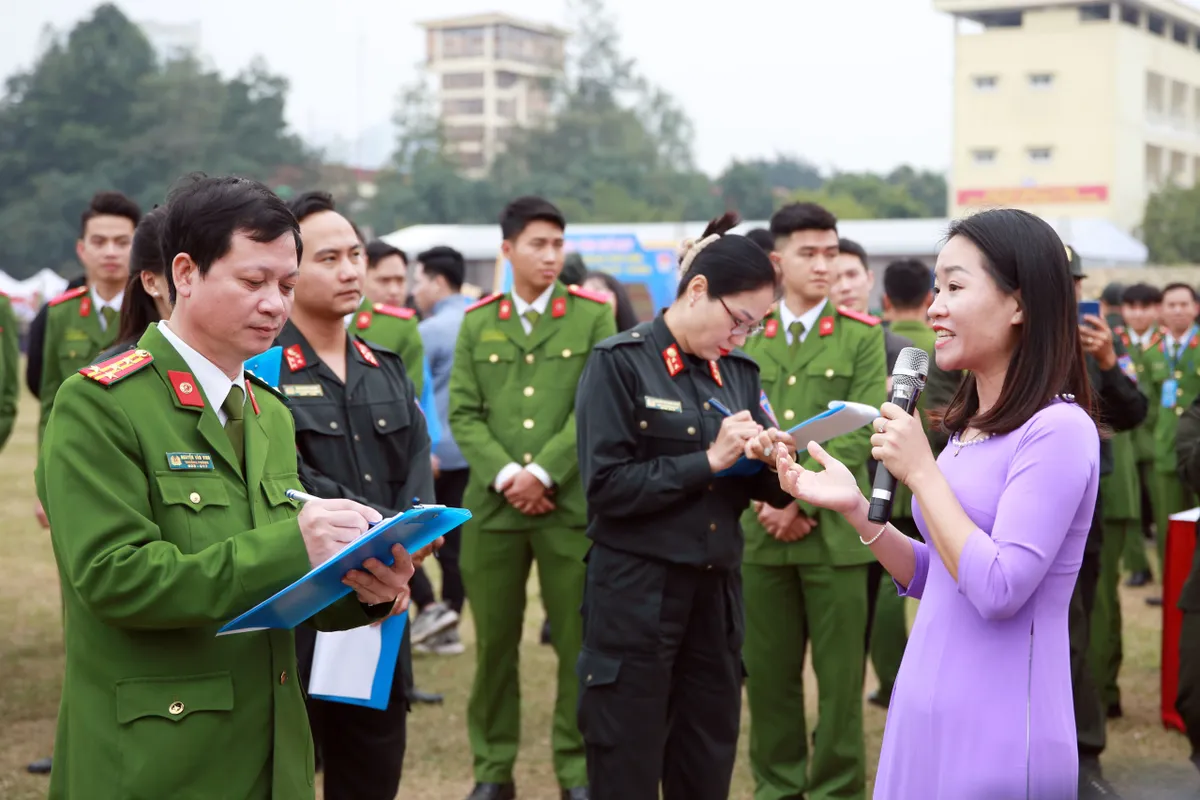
{"x": 1122, "y": 407}
{"x": 1187, "y": 696}
{"x": 360, "y": 435}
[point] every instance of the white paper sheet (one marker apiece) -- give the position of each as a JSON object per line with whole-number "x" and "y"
{"x": 344, "y": 662}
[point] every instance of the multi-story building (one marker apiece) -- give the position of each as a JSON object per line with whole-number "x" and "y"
{"x": 493, "y": 73}
{"x": 1073, "y": 109}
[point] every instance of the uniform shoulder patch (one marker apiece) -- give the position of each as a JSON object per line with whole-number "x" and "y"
{"x": 491, "y": 298}
{"x": 866, "y": 319}
{"x": 69, "y": 295}
{"x": 632, "y": 336}
{"x": 120, "y": 366}
{"x": 394, "y": 311}
{"x": 587, "y": 294}
{"x": 257, "y": 381}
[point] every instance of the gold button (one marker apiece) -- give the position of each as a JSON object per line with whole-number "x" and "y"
{"x": 791, "y": 380}
{"x": 529, "y": 358}
{"x": 282, "y": 678}
{"x": 566, "y": 353}
{"x": 691, "y": 431}
{"x": 194, "y": 497}
{"x": 381, "y": 422}
{"x": 528, "y": 458}
{"x": 493, "y": 358}
{"x": 1178, "y": 374}
{"x": 643, "y": 425}
{"x": 636, "y": 335}
{"x": 176, "y": 708}
{"x": 333, "y": 426}
{"x": 529, "y": 391}
{"x": 789, "y": 414}
{"x": 707, "y": 407}
{"x": 367, "y": 477}
{"x": 1179, "y": 392}
{"x": 528, "y": 424}
{"x": 829, "y": 373}
{"x": 1179, "y": 411}
{"x": 712, "y": 527}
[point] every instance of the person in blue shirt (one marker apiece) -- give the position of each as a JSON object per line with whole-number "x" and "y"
{"x": 437, "y": 291}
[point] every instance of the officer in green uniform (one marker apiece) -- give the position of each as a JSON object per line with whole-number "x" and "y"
{"x": 805, "y": 573}
{"x": 381, "y": 319}
{"x": 1187, "y": 698}
{"x": 164, "y": 473}
{"x": 1141, "y": 305}
{"x": 10, "y": 368}
{"x": 83, "y": 322}
{"x": 1174, "y": 369}
{"x": 517, "y": 363}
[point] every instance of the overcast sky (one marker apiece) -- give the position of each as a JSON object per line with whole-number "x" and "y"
{"x": 848, "y": 84}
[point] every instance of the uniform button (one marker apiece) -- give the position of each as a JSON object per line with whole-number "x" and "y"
{"x": 636, "y": 335}
{"x": 711, "y": 487}
{"x": 1178, "y": 374}
{"x": 528, "y": 458}
{"x": 356, "y": 438}
{"x": 829, "y": 373}
{"x": 282, "y": 678}
{"x": 707, "y": 407}
{"x": 1179, "y": 411}
{"x": 194, "y": 497}
{"x": 493, "y": 358}
{"x": 381, "y": 422}
{"x": 791, "y": 380}
{"x": 367, "y": 477}
{"x": 789, "y": 414}
{"x": 566, "y": 353}
{"x": 528, "y": 424}
{"x": 691, "y": 431}
{"x": 529, "y": 358}
{"x": 708, "y": 566}
{"x": 529, "y": 391}
{"x": 176, "y": 708}
{"x": 333, "y": 426}
{"x": 712, "y": 527}
{"x": 643, "y": 425}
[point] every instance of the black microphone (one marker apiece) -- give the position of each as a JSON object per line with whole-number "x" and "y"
{"x": 908, "y": 381}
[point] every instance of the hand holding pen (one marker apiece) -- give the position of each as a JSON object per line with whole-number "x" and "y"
{"x": 760, "y": 445}
{"x": 736, "y": 431}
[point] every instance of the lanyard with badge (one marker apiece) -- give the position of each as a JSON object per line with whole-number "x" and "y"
{"x": 1170, "y": 389}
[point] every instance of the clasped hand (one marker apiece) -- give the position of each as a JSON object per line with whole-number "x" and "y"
{"x": 741, "y": 436}
{"x": 527, "y": 494}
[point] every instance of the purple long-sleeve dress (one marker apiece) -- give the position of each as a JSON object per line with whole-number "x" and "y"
{"x": 982, "y": 707}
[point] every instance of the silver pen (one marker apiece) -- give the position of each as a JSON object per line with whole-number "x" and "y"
{"x": 300, "y": 497}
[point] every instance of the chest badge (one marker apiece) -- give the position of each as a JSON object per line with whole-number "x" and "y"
{"x": 302, "y": 390}
{"x": 672, "y": 360}
{"x": 505, "y": 311}
{"x": 559, "y": 307}
{"x": 186, "y": 389}
{"x": 825, "y": 327}
{"x": 295, "y": 358}
{"x": 189, "y": 461}
{"x": 662, "y": 404}
{"x": 366, "y": 353}
{"x": 364, "y": 320}
{"x": 85, "y": 306}
{"x": 715, "y": 371}
{"x": 771, "y": 329}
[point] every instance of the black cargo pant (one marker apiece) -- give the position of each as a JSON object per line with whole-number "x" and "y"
{"x": 359, "y": 749}
{"x": 660, "y": 678}
{"x": 1090, "y": 717}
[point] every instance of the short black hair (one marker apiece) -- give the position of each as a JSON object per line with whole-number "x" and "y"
{"x": 520, "y": 212}
{"x": 204, "y": 213}
{"x": 796, "y": 217}
{"x": 1141, "y": 294}
{"x": 763, "y": 238}
{"x": 731, "y": 264}
{"x": 378, "y": 250}
{"x": 853, "y": 248}
{"x": 1170, "y": 287}
{"x": 109, "y": 204}
{"x": 444, "y": 261}
{"x": 907, "y": 283}
{"x": 309, "y": 203}
{"x": 1112, "y": 293}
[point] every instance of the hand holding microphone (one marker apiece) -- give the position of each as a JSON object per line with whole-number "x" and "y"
{"x": 899, "y": 441}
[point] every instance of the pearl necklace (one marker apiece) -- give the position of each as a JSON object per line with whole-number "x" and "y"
{"x": 959, "y": 444}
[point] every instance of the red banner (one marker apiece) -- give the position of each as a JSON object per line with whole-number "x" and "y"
{"x": 1032, "y": 195}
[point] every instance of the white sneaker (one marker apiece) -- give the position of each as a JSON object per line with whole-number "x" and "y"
{"x": 434, "y": 619}
{"x": 446, "y": 643}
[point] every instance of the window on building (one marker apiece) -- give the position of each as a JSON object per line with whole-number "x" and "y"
{"x": 505, "y": 80}
{"x": 1154, "y": 167}
{"x": 462, "y": 42}
{"x": 462, "y": 106}
{"x": 1001, "y": 19}
{"x": 1131, "y": 15}
{"x": 506, "y": 108}
{"x": 1156, "y": 101}
{"x": 1041, "y": 155}
{"x": 464, "y": 133}
{"x": 1091, "y": 12}
{"x": 1041, "y": 80}
{"x": 1178, "y": 172}
{"x": 985, "y": 83}
{"x": 984, "y": 155}
{"x": 468, "y": 159}
{"x": 1156, "y": 24}
{"x": 1179, "y": 32}
{"x": 462, "y": 80}
{"x": 1179, "y": 95}
{"x": 521, "y": 44}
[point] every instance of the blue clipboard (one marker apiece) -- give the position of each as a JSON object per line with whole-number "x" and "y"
{"x": 322, "y": 587}
{"x": 265, "y": 366}
{"x": 391, "y": 633}
{"x": 839, "y": 419}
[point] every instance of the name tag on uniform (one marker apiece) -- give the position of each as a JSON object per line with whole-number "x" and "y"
{"x": 75, "y": 335}
{"x": 659, "y": 404}
{"x": 302, "y": 389}
{"x": 491, "y": 335}
{"x": 187, "y": 461}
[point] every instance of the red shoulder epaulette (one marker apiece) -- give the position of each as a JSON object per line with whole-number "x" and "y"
{"x": 394, "y": 311}
{"x": 586, "y": 293}
{"x": 491, "y": 298}
{"x": 866, "y": 319}
{"x": 71, "y": 295}
{"x": 114, "y": 369}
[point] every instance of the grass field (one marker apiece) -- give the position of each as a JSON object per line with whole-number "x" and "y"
{"x": 1144, "y": 760}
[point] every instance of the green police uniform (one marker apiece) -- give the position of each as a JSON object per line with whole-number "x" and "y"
{"x": 512, "y": 401}
{"x": 394, "y": 329}
{"x": 75, "y": 335}
{"x": 1175, "y": 382}
{"x": 1143, "y": 438}
{"x": 10, "y": 369}
{"x": 889, "y": 636}
{"x": 814, "y": 588}
{"x": 161, "y": 535}
{"x": 1187, "y": 698}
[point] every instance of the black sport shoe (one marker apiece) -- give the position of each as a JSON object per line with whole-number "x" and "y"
{"x": 493, "y": 791}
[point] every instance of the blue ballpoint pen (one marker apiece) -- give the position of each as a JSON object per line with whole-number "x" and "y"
{"x": 725, "y": 412}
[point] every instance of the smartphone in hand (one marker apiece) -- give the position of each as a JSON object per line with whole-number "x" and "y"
{"x": 1087, "y": 307}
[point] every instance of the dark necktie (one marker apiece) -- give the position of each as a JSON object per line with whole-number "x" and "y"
{"x": 110, "y": 319}
{"x": 797, "y": 329}
{"x": 235, "y": 410}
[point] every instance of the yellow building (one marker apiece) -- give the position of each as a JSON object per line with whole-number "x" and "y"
{"x": 1073, "y": 109}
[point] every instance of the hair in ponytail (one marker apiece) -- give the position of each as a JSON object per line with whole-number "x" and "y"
{"x": 729, "y": 263}
{"x": 138, "y": 309}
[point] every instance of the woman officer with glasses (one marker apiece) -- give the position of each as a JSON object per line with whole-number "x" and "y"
{"x": 662, "y": 412}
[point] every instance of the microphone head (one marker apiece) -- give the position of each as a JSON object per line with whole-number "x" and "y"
{"x": 912, "y": 368}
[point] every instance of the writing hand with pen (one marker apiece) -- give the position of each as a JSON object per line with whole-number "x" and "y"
{"x": 741, "y": 436}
